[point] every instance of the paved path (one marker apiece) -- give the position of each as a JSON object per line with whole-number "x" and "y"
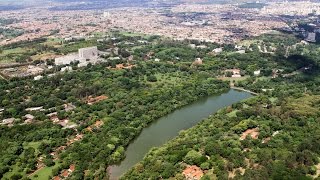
{"x": 245, "y": 90}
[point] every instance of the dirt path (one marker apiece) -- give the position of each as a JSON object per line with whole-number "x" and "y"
{"x": 35, "y": 171}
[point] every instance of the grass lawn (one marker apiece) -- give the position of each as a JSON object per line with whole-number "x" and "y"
{"x": 6, "y": 60}
{"x": 44, "y": 56}
{"x": 53, "y": 41}
{"x": 234, "y": 79}
{"x": 34, "y": 145}
{"x": 15, "y": 168}
{"x": 165, "y": 79}
{"x": 13, "y": 51}
{"x": 7, "y": 56}
{"x": 44, "y": 173}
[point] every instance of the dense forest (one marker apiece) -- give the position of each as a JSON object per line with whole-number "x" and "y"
{"x": 287, "y": 146}
{"x": 135, "y": 98}
{"x": 84, "y": 119}
{"x": 271, "y": 136}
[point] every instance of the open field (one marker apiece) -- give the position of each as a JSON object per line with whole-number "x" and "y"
{"x": 231, "y": 79}
{"x": 44, "y": 173}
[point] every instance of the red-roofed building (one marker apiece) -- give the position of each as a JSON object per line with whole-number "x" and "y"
{"x": 56, "y": 178}
{"x": 193, "y": 173}
{"x": 72, "y": 168}
{"x": 65, "y": 173}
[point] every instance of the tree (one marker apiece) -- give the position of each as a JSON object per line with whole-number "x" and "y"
{"x": 16, "y": 177}
{"x": 152, "y": 78}
{"x": 49, "y": 162}
{"x": 194, "y": 157}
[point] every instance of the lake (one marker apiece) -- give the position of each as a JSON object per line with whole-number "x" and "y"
{"x": 169, "y": 126}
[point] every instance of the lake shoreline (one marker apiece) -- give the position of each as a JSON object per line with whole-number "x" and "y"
{"x": 168, "y": 127}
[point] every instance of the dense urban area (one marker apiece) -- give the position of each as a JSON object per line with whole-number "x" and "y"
{"x": 81, "y": 80}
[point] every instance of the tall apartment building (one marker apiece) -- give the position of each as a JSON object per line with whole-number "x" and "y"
{"x": 311, "y": 37}
{"x": 88, "y": 53}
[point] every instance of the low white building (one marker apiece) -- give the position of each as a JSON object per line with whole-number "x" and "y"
{"x": 236, "y": 73}
{"x": 217, "y": 50}
{"x": 84, "y": 57}
{"x": 8, "y": 121}
{"x": 29, "y": 116}
{"x": 114, "y": 58}
{"x": 241, "y": 51}
{"x": 35, "y": 109}
{"x": 193, "y": 46}
{"x": 34, "y": 70}
{"x": 257, "y": 73}
{"x": 36, "y": 78}
{"x": 198, "y": 61}
{"x": 67, "y": 68}
{"x": 66, "y": 59}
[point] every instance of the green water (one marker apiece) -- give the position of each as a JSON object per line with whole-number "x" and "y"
{"x": 168, "y": 127}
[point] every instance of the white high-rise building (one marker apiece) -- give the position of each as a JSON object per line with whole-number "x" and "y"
{"x": 88, "y": 53}
{"x": 311, "y": 37}
{"x": 106, "y": 14}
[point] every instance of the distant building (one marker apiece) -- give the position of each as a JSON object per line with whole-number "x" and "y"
{"x": 88, "y": 53}
{"x": 69, "y": 107}
{"x": 68, "y": 39}
{"x": 202, "y": 46}
{"x": 84, "y": 57}
{"x": 35, "y": 109}
{"x": 217, "y": 50}
{"x": 257, "y": 73}
{"x": 38, "y": 78}
{"x": 198, "y": 61}
{"x": 33, "y": 70}
{"x": 68, "y": 68}
{"x": 311, "y": 37}
{"x": 130, "y": 58}
{"x": 106, "y": 14}
{"x": 29, "y": 116}
{"x": 114, "y": 58}
{"x": 235, "y": 72}
{"x": 241, "y": 51}
{"x": 193, "y": 46}
{"x": 8, "y": 121}
{"x": 192, "y": 173}
{"x": 66, "y": 59}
